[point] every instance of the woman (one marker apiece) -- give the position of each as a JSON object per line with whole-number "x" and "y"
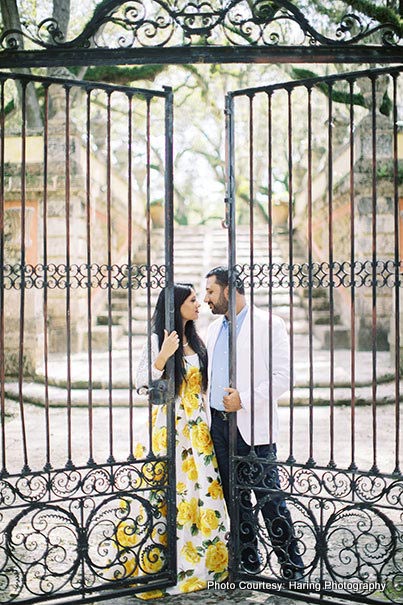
{"x": 201, "y": 512}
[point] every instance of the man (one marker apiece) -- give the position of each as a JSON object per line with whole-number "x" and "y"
{"x": 242, "y": 400}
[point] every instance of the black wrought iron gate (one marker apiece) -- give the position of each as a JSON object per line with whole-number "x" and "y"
{"x": 87, "y": 503}
{"x": 333, "y": 258}
{"x": 92, "y": 513}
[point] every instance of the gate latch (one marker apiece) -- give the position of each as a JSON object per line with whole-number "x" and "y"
{"x": 158, "y": 391}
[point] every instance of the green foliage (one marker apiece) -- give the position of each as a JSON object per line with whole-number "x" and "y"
{"x": 386, "y": 171}
{"x": 9, "y": 107}
{"x": 339, "y": 96}
{"x": 123, "y": 75}
{"x": 382, "y": 14}
{"x": 386, "y": 105}
{"x": 335, "y": 11}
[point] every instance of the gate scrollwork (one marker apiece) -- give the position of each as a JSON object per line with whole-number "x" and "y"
{"x": 82, "y": 528}
{"x": 136, "y": 23}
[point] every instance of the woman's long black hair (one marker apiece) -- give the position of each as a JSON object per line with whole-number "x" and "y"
{"x": 181, "y": 293}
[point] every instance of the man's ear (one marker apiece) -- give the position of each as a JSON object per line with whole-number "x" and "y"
{"x": 226, "y": 292}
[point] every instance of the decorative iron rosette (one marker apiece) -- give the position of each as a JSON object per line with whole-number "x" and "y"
{"x": 157, "y": 23}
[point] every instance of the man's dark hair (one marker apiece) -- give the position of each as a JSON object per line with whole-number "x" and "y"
{"x": 221, "y": 275}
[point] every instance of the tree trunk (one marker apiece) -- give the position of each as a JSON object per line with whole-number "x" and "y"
{"x": 11, "y": 20}
{"x": 61, "y": 14}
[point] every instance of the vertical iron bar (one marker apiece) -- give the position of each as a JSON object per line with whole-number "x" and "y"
{"x": 231, "y": 226}
{"x": 170, "y": 323}
{"x": 397, "y": 276}
{"x": 374, "y": 262}
{"x": 129, "y": 272}
{"x": 91, "y": 461}
{"x": 3, "y": 470}
{"x": 290, "y": 248}
{"x": 111, "y": 459}
{"x": 69, "y": 463}
{"x": 353, "y": 465}
{"x": 251, "y": 269}
{"x": 331, "y": 463}
{"x": 148, "y": 269}
{"x": 23, "y": 259}
{"x": 310, "y": 277}
{"x": 48, "y": 465}
{"x": 270, "y": 246}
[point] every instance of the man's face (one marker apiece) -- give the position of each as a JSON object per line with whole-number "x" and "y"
{"x": 216, "y": 296}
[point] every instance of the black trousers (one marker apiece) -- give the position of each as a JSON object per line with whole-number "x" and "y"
{"x": 275, "y": 513}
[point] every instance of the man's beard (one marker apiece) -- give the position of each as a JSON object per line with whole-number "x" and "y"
{"x": 221, "y": 307}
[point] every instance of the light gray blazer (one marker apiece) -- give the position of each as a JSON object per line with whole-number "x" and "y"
{"x": 260, "y": 398}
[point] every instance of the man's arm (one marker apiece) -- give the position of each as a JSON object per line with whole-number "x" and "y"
{"x": 280, "y": 381}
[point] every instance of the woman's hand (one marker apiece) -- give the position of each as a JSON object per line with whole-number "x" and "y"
{"x": 170, "y": 344}
{"x": 168, "y": 348}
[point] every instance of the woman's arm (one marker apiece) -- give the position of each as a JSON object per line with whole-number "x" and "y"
{"x": 158, "y": 358}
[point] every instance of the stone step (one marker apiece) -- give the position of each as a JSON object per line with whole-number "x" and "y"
{"x": 341, "y": 336}
{"x": 198, "y": 248}
{"x": 322, "y": 318}
{"x": 117, "y": 317}
{"x": 315, "y": 293}
{"x": 319, "y": 303}
{"x": 139, "y": 328}
{"x": 34, "y": 392}
{"x": 100, "y": 336}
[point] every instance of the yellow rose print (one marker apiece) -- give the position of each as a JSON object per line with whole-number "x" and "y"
{"x": 131, "y": 567}
{"x": 208, "y": 521}
{"x": 160, "y": 440}
{"x": 190, "y": 553}
{"x": 188, "y": 512}
{"x": 162, "y": 538}
{"x": 194, "y": 512}
{"x": 151, "y": 594}
{"x": 126, "y": 535}
{"x": 192, "y": 584}
{"x": 155, "y": 471}
{"x": 201, "y": 438}
{"x": 139, "y": 451}
{"x": 193, "y": 379}
{"x": 183, "y": 513}
{"x": 192, "y": 383}
{"x": 152, "y": 561}
{"x": 190, "y": 403}
{"x": 215, "y": 490}
{"x": 217, "y": 557}
{"x": 141, "y": 536}
{"x": 189, "y": 467}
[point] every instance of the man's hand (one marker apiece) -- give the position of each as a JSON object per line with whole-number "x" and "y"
{"x": 232, "y": 401}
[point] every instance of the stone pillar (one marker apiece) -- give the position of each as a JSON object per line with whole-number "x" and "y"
{"x": 19, "y": 317}
{"x": 56, "y": 226}
{"x": 384, "y": 214}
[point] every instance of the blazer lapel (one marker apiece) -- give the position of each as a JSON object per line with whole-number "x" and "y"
{"x": 211, "y": 344}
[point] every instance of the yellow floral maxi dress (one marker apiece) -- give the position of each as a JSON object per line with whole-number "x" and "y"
{"x": 202, "y": 519}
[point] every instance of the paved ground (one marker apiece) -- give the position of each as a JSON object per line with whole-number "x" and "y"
{"x": 58, "y": 417}
{"x": 212, "y": 597}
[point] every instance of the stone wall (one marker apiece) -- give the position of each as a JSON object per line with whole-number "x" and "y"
{"x": 363, "y": 239}
{"x": 32, "y": 308}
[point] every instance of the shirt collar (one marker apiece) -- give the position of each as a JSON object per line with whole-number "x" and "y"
{"x": 239, "y": 317}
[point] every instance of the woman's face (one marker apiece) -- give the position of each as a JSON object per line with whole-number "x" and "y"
{"x": 190, "y": 307}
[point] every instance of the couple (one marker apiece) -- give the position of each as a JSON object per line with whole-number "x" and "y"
{"x": 202, "y": 430}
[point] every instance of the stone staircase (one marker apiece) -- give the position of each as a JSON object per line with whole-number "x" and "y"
{"x": 198, "y": 249}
